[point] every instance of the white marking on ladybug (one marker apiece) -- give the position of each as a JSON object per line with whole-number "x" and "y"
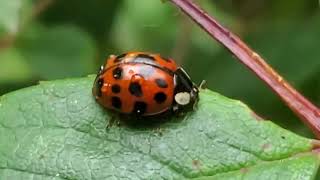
{"x": 182, "y": 98}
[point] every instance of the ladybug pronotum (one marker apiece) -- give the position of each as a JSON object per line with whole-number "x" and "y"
{"x": 144, "y": 84}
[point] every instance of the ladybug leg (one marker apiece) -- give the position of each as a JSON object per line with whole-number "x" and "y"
{"x": 194, "y": 95}
{"x": 176, "y": 110}
{"x": 159, "y": 131}
{"x": 195, "y": 107}
{"x": 113, "y": 121}
{"x": 196, "y": 90}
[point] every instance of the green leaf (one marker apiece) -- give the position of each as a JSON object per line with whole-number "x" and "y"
{"x": 290, "y": 168}
{"x": 58, "y": 51}
{"x": 56, "y": 130}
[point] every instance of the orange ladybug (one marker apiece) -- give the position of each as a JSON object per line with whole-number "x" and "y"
{"x": 144, "y": 84}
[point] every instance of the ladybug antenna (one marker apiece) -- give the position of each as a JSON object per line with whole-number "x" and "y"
{"x": 202, "y": 84}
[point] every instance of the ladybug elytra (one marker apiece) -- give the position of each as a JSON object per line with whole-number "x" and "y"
{"x": 144, "y": 84}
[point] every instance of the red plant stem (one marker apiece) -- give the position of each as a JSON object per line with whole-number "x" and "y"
{"x": 303, "y": 108}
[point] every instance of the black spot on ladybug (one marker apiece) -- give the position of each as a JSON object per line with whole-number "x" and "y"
{"x": 166, "y": 59}
{"x": 135, "y": 89}
{"x": 160, "y": 97}
{"x": 139, "y": 107}
{"x": 115, "y": 88}
{"x": 145, "y": 59}
{"x": 161, "y": 83}
{"x": 119, "y": 58}
{"x": 146, "y": 56}
{"x": 117, "y": 73}
{"x": 99, "y": 85}
{"x": 116, "y": 102}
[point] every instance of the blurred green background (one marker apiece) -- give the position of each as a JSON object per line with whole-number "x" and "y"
{"x": 53, "y": 39}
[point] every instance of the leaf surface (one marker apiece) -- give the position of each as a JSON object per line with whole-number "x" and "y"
{"x": 56, "y": 130}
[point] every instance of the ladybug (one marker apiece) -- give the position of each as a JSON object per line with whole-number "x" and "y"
{"x": 144, "y": 84}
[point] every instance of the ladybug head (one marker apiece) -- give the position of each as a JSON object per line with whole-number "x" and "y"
{"x": 185, "y": 93}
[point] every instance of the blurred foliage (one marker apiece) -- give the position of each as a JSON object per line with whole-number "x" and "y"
{"x": 57, "y": 52}
{"x": 50, "y": 39}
